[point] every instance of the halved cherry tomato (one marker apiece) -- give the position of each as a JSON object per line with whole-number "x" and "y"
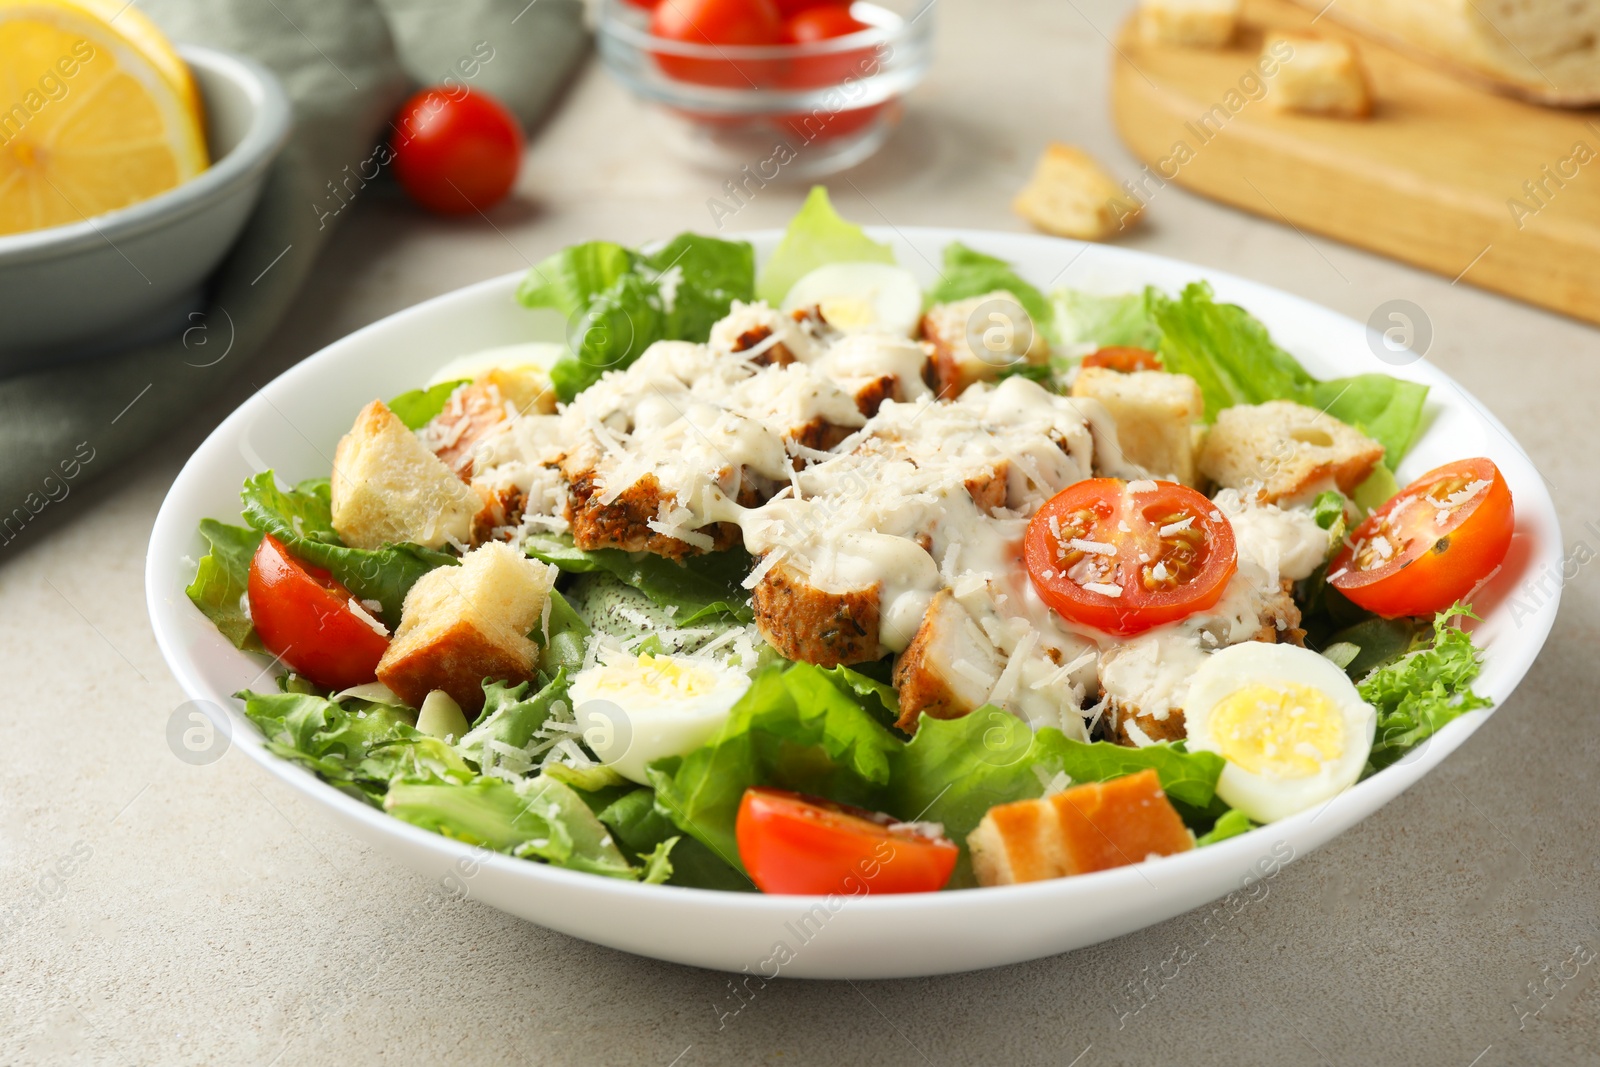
{"x": 1123, "y": 359}
{"x": 456, "y": 150}
{"x": 792, "y": 843}
{"x": 1126, "y": 556}
{"x": 305, "y": 618}
{"x": 716, "y": 22}
{"x": 1429, "y": 546}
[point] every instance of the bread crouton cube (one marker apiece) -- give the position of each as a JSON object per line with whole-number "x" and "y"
{"x": 1086, "y": 828}
{"x": 388, "y": 487}
{"x": 806, "y": 622}
{"x": 1188, "y": 23}
{"x": 974, "y": 340}
{"x": 1071, "y": 195}
{"x": 950, "y": 667}
{"x": 1321, "y": 77}
{"x": 1156, "y": 414}
{"x": 460, "y": 625}
{"x": 1281, "y": 450}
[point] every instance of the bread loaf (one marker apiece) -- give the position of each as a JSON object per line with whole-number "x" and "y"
{"x": 1545, "y": 50}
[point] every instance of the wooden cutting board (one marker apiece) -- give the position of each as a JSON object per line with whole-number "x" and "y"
{"x": 1460, "y": 181}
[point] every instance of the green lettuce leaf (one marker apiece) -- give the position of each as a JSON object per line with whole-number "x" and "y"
{"x": 354, "y": 745}
{"x": 1231, "y": 824}
{"x": 569, "y": 634}
{"x": 970, "y": 273}
{"x": 710, "y": 275}
{"x": 223, "y": 577}
{"x": 641, "y": 828}
{"x": 700, "y": 586}
{"x": 302, "y": 518}
{"x": 1104, "y": 321}
{"x": 509, "y": 717}
{"x": 1230, "y": 354}
{"x": 417, "y": 407}
{"x": 539, "y": 818}
{"x": 618, "y": 302}
{"x": 794, "y": 729}
{"x": 1418, "y": 693}
{"x": 816, "y": 236}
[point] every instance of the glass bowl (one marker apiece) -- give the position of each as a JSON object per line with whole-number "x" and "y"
{"x": 770, "y": 112}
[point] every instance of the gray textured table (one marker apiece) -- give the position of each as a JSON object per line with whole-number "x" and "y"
{"x": 151, "y": 910}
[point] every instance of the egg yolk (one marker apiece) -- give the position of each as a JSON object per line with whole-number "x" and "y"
{"x": 849, "y": 312}
{"x": 1286, "y": 730}
{"x": 651, "y": 679}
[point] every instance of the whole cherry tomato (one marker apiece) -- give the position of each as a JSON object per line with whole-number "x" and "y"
{"x": 456, "y": 150}
{"x": 716, "y": 22}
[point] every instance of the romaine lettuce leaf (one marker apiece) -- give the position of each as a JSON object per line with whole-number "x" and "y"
{"x": 569, "y": 634}
{"x": 970, "y": 273}
{"x": 1232, "y": 823}
{"x": 794, "y": 729}
{"x": 302, "y": 518}
{"x": 816, "y": 236}
{"x": 1230, "y": 354}
{"x": 1418, "y": 693}
{"x": 642, "y": 829}
{"x": 222, "y": 579}
{"x": 417, "y": 407}
{"x": 509, "y": 717}
{"x": 618, "y": 302}
{"x": 1089, "y": 318}
{"x": 702, "y": 585}
{"x": 539, "y": 818}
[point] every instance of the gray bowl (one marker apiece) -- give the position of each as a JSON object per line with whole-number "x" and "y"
{"x": 132, "y": 275}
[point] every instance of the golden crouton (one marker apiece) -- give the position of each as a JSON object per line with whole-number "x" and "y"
{"x": 950, "y": 667}
{"x": 1156, "y": 414}
{"x": 388, "y": 487}
{"x": 807, "y": 623}
{"x": 977, "y": 338}
{"x": 1086, "y": 828}
{"x": 460, "y": 625}
{"x": 1188, "y": 23}
{"x": 1320, "y": 77}
{"x": 1281, "y": 450}
{"x": 1070, "y": 195}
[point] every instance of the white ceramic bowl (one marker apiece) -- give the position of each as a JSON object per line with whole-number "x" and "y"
{"x": 293, "y": 423}
{"x": 76, "y": 291}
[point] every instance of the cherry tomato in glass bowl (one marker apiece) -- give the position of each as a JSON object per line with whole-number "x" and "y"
{"x": 308, "y": 620}
{"x": 820, "y": 23}
{"x": 456, "y": 150}
{"x": 1431, "y": 544}
{"x": 813, "y": 26}
{"x": 716, "y": 22}
{"x": 1124, "y": 557}
{"x": 792, "y": 843}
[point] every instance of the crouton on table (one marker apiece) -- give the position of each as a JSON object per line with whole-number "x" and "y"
{"x": 388, "y": 487}
{"x": 1283, "y": 450}
{"x": 1321, "y": 77}
{"x": 1071, "y": 195}
{"x": 463, "y": 624}
{"x": 1086, "y": 828}
{"x": 1189, "y": 23}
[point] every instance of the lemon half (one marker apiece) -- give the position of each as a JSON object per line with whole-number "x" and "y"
{"x": 91, "y": 118}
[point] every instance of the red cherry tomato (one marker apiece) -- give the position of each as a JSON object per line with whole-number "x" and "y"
{"x": 1105, "y": 554}
{"x": 304, "y": 618}
{"x": 787, "y": 8}
{"x": 820, "y": 23}
{"x": 716, "y": 22}
{"x": 456, "y": 150}
{"x": 823, "y": 125}
{"x": 1429, "y": 546}
{"x": 1123, "y": 360}
{"x": 791, "y": 843}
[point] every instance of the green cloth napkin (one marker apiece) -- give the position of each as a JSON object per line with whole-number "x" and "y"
{"x": 346, "y": 64}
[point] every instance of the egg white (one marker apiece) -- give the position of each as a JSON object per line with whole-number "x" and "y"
{"x": 861, "y": 297}
{"x": 637, "y": 709}
{"x": 1274, "y": 790}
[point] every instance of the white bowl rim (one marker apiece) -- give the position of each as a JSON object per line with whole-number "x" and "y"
{"x": 269, "y": 128}
{"x": 174, "y": 529}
